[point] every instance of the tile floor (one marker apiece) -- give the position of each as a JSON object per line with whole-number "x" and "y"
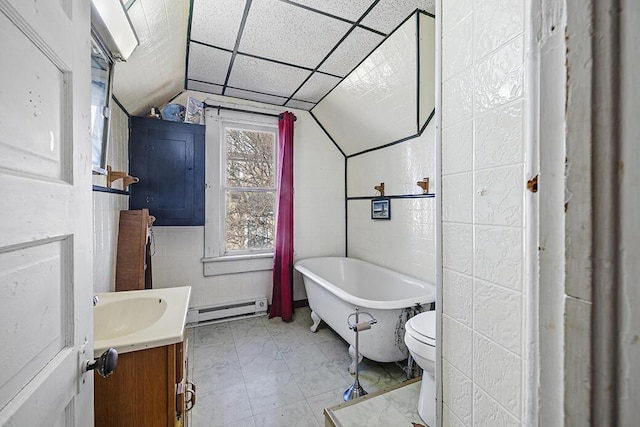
{"x": 265, "y": 372}
{"x": 395, "y": 408}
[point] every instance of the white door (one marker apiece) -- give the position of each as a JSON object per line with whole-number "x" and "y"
{"x": 45, "y": 213}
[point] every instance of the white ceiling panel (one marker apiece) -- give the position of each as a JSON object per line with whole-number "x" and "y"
{"x": 301, "y": 105}
{"x": 316, "y": 87}
{"x": 155, "y": 71}
{"x": 208, "y": 64}
{"x": 265, "y": 76}
{"x": 290, "y": 34}
{"x": 254, "y": 96}
{"x": 351, "y": 51}
{"x": 216, "y": 22}
{"x": 204, "y": 87}
{"x": 388, "y": 14}
{"x": 352, "y": 9}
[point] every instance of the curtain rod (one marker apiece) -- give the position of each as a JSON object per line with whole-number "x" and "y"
{"x": 220, "y": 107}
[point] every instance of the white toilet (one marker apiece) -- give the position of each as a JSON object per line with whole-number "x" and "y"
{"x": 420, "y": 338}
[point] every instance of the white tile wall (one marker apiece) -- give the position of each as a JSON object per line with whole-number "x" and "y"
{"x": 492, "y": 320}
{"x": 403, "y": 244}
{"x": 488, "y": 413}
{"x": 458, "y": 104}
{"x": 458, "y": 297}
{"x": 453, "y": 12}
{"x": 107, "y": 206}
{"x": 483, "y": 163}
{"x": 382, "y": 89}
{"x": 460, "y": 204}
{"x": 177, "y": 262}
{"x": 457, "y": 53}
{"x": 494, "y": 23}
{"x": 499, "y": 136}
{"x": 456, "y": 391}
{"x": 493, "y": 371}
{"x": 399, "y": 166}
{"x": 449, "y": 418}
{"x": 406, "y": 243}
{"x": 457, "y": 247}
{"x": 457, "y": 153}
{"x": 106, "y": 215}
{"x": 498, "y": 196}
{"x": 499, "y": 78}
{"x": 458, "y": 345}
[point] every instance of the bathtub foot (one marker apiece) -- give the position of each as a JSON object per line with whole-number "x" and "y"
{"x": 316, "y": 321}
{"x": 352, "y": 353}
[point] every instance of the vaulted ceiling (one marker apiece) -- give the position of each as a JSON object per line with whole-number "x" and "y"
{"x": 282, "y": 52}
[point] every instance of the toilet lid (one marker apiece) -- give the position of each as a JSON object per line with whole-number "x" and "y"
{"x": 424, "y": 324}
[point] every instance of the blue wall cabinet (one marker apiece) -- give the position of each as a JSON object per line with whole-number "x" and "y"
{"x": 168, "y": 157}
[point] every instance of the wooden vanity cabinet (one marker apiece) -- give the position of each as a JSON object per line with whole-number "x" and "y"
{"x": 147, "y": 389}
{"x": 133, "y": 259}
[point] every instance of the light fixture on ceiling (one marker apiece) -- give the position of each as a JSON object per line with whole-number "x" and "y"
{"x": 111, "y": 23}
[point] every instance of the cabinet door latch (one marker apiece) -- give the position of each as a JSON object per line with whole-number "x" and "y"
{"x": 532, "y": 184}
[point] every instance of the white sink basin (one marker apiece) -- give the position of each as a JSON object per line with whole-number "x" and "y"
{"x": 135, "y": 320}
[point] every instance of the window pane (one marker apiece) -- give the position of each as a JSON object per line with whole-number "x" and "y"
{"x": 250, "y": 158}
{"x": 100, "y": 80}
{"x": 249, "y": 220}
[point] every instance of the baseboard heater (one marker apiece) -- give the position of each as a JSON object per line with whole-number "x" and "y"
{"x": 228, "y": 311}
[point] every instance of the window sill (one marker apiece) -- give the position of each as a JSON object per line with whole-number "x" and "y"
{"x": 233, "y": 264}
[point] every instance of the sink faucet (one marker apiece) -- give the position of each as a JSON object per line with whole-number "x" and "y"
{"x": 95, "y": 300}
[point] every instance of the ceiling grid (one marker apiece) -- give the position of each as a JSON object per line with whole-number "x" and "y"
{"x": 288, "y": 52}
{"x": 285, "y": 52}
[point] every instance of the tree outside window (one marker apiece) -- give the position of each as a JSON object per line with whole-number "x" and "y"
{"x": 249, "y": 189}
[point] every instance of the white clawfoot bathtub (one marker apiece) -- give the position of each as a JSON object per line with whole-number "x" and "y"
{"x": 336, "y": 285}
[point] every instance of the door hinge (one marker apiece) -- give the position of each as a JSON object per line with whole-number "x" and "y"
{"x": 180, "y": 387}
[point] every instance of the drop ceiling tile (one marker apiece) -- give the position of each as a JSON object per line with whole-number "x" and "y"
{"x": 291, "y": 34}
{"x": 265, "y": 76}
{"x": 388, "y": 14}
{"x": 351, "y": 51}
{"x": 204, "y": 87}
{"x": 208, "y": 64}
{"x": 254, "y": 96}
{"x": 301, "y": 105}
{"x": 316, "y": 87}
{"x": 351, "y": 10}
{"x": 216, "y": 22}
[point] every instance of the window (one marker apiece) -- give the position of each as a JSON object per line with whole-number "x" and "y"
{"x": 249, "y": 187}
{"x": 101, "y": 71}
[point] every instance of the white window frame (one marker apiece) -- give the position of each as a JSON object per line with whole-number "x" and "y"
{"x": 228, "y": 124}
{"x": 215, "y": 260}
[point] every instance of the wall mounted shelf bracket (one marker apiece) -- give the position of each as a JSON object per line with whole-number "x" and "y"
{"x": 424, "y": 184}
{"x": 127, "y": 180}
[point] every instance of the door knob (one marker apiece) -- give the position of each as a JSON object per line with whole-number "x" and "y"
{"x": 103, "y": 365}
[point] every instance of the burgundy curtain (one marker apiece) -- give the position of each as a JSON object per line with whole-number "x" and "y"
{"x": 282, "y": 301}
